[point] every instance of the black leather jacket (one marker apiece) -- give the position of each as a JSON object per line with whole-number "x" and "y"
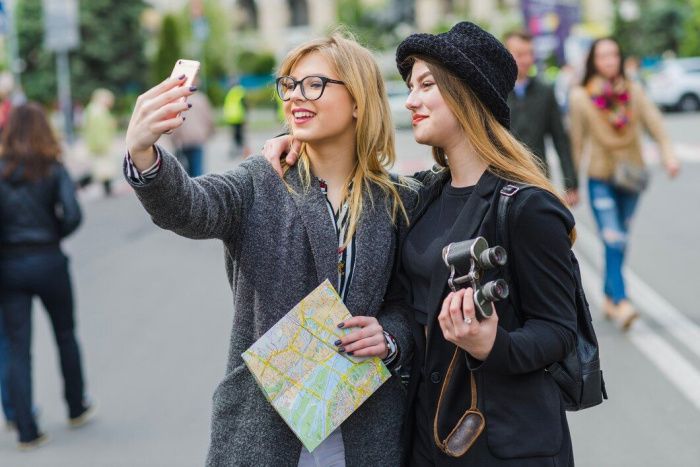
{"x": 37, "y": 214}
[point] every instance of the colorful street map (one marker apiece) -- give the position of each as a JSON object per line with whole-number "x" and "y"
{"x": 312, "y": 386}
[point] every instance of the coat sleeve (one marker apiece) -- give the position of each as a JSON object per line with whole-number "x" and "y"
{"x": 561, "y": 141}
{"x": 69, "y": 213}
{"x": 545, "y": 285}
{"x": 577, "y": 124}
{"x": 654, "y": 124}
{"x": 394, "y": 313}
{"x": 210, "y": 206}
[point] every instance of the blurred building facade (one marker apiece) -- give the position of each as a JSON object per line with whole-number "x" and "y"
{"x": 283, "y": 23}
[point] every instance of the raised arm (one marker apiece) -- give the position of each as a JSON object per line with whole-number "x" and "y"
{"x": 211, "y": 206}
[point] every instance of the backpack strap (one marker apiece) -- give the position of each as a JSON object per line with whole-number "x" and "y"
{"x": 507, "y": 194}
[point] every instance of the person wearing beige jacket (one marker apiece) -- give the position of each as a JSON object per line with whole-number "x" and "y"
{"x": 607, "y": 114}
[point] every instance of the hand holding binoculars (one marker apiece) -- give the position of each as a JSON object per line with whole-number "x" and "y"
{"x": 467, "y": 261}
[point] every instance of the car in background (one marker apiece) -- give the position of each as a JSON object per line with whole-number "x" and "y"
{"x": 398, "y": 93}
{"x": 676, "y": 84}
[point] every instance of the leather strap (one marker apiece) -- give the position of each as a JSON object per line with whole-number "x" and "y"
{"x": 445, "y": 384}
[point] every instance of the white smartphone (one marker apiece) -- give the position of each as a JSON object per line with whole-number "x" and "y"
{"x": 189, "y": 68}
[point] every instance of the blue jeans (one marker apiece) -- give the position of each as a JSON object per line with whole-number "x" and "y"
{"x": 5, "y": 374}
{"x": 43, "y": 274}
{"x": 195, "y": 160}
{"x": 613, "y": 210}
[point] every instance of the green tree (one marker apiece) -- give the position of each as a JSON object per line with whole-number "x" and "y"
{"x": 215, "y": 54}
{"x": 660, "y": 24}
{"x": 111, "y": 51}
{"x": 110, "y": 54}
{"x": 39, "y": 76}
{"x": 169, "y": 49}
{"x": 690, "y": 41}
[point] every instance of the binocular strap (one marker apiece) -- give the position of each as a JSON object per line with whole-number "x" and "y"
{"x": 470, "y": 425}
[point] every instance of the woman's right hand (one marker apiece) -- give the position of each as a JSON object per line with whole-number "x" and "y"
{"x": 157, "y": 111}
{"x": 275, "y": 148}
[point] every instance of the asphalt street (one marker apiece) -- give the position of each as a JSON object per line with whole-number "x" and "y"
{"x": 154, "y": 316}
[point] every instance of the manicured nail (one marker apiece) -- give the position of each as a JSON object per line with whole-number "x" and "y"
{"x": 350, "y": 353}
{"x": 340, "y": 325}
{"x": 189, "y": 106}
{"x": 341, "y": 349}
{"x": 184, "y": 118}
{"x": 181, "y": 76}
{"x": 337, "y": 343}
{"x": 193, "y": 88}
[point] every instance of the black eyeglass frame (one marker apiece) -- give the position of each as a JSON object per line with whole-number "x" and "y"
{"x": 325, "y": 80}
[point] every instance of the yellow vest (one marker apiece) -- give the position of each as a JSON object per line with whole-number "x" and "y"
{"x": 234, "y": 111}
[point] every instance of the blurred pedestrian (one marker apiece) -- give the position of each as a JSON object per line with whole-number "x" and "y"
{"x": 534, "y": 113}
{"x": 38, "y": 209}
{"x": 190, "y": 138}
{"x": 608, "y": 113}
{"x": 314, "y": 224}
{"x": 99, "y": 130}
{"x": 235, "y": 112}
{"x": 6, "y": 90}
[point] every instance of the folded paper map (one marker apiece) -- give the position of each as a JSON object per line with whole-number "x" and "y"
{"x": 312, "y": 386}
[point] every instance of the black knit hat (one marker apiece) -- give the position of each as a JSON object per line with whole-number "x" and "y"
{"x": 474, "y": 56}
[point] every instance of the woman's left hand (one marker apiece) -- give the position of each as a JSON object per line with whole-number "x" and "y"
{"x": 459, "y": 324}
{"x": 673, "y": 168}
{"x": 367, "y": 341}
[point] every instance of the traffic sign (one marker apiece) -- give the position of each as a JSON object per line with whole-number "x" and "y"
{"x": 61, "y": 32}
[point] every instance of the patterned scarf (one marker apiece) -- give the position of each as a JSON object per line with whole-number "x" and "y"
{"x": 612, "y": 98}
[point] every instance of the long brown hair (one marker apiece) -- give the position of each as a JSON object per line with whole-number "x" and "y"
{"x": 504, "y": 155}
{"x": 29, "y": 140}
{"x": 590, "y": 60}
{"x": 374, "y": 131}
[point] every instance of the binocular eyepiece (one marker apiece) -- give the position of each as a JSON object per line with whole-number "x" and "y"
{"x": 462, "y": 254}
{"x": 467, "y": 261}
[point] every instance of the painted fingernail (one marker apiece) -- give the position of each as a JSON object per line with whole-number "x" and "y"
{"x": 337, "y": 343}
{"x": 341, "y": 349}
{"x": 181, "y": 77}
{"x": 350, "y": 353}
{"x": 189, "y": 106}
{"x": 340, "y": 325}
{"x": 184, "y": 118}
{"x": 193, "y": 88}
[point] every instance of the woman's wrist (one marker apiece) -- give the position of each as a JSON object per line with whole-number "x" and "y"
{"x": 143, "y": 159}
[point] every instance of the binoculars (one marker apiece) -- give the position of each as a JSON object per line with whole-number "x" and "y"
{"x": 467, "y": 261}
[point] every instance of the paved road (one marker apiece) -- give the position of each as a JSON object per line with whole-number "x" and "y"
{"x": 155, "y": 314}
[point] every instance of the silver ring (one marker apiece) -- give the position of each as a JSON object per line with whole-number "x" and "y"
{"x": 468, "y": 320}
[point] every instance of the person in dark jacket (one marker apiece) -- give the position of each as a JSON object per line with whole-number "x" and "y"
{"x": 458, "y": 85}
{"x": 534, "y": 113}
{"x": 38, "y": 209}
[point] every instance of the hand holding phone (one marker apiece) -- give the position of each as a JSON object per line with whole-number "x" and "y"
{"x": 189, "y": 68}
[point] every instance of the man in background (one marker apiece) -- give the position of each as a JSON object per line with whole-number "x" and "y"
{"x": 534, "y": 113}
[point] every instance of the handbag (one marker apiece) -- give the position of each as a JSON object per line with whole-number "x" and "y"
{"x": 630, "y": 177}
{"x": 470, "y": 425}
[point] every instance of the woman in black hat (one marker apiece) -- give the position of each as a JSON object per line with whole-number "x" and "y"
{"x": 458, "y": 83}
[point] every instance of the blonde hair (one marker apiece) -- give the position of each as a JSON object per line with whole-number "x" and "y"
{"x": 504, "y": 155}
{"x": 374, "y": 131}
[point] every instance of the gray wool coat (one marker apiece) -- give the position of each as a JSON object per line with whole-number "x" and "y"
{"x": 279, "y": 247}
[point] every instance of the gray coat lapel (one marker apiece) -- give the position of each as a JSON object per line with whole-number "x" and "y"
{"x": 313, "y": 211}
{"x": 374, "y": 250}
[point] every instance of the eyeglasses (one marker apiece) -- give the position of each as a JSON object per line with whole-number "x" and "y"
{"x": 312, "y": 87}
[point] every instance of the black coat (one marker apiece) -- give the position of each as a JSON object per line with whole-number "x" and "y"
{"x": 525, "y": 420}
{"x": 37, "y": 214}
{"x": 537, "y": 115}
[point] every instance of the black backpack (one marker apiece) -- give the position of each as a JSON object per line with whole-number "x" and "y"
{"x": 579, "y": 376}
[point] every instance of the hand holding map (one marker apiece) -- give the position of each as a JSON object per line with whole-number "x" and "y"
{"x": 296, "y": 364}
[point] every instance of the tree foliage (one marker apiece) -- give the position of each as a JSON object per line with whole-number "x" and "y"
{"x": 690, "y": 46}
{"x": 169, "y": 49}
{"x": 110, "y": 54}
{"x": 660, "y": 25}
